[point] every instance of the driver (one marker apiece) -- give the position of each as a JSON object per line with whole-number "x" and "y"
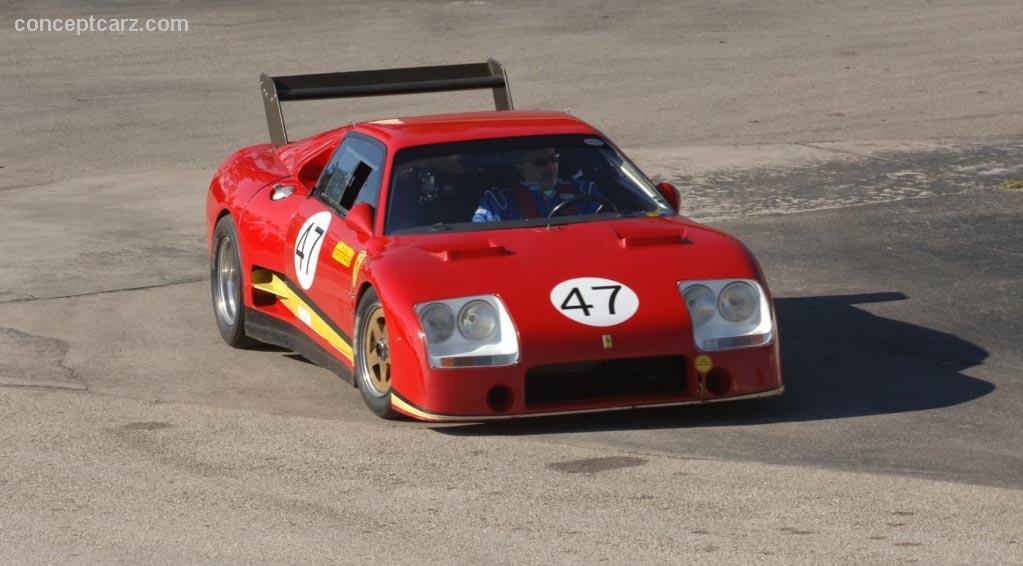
{"x": 537, "y": 192}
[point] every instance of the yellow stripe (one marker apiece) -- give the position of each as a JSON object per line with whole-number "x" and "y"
{"x": 272, "y": 283}
{"x": 403, "y": 406}
{"x": 407, "y": 408}
{"x": 358, "y": 266}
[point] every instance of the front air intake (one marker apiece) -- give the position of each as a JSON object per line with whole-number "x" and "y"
{"x": 578, "y": 381}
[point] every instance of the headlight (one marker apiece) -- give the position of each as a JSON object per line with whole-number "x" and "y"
{"x": 477, "y": 320}
{"x": 438, "y": 322}
{"x": 728, "y": 313}
{"x": 486, "y": 335}
{"x": 701, "y": 303}
{"x": 738, "y": 302}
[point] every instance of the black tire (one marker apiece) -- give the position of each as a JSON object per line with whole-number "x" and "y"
{"x": 226, "y": 285}
{"x": 372, "y": 356}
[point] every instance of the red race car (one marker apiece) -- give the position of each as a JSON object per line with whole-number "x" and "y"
{"x": 474, "y": 266}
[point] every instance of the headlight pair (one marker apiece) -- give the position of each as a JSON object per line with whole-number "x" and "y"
{"x": 485, "y": 333}
{"x": 477, "y": 320}
{"x": 737, "y": 302}
{"x": 727, "y": 314}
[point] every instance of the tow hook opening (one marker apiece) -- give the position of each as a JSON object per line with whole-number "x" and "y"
{"x": 499, "y": 399}
{"x": 719, "y": 381}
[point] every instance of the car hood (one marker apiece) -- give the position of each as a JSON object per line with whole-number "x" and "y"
{"x": 523, "y": 265}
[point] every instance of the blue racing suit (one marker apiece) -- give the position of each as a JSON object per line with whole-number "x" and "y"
{"x": 529, "y": 200}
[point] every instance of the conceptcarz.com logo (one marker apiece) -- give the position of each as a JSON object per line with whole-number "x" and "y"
{"x": 92, "y": 24}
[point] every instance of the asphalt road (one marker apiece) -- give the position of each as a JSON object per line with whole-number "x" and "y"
{"x": 864, "y": 152}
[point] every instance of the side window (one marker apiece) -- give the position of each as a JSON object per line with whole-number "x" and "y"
{"x": 353, "y": 175}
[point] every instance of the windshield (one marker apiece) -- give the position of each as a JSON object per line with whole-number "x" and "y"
{"x": 515, "y": 182}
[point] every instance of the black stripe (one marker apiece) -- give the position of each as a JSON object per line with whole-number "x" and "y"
{"x": 319, "y": 312}
{"x": 272, "y": 330}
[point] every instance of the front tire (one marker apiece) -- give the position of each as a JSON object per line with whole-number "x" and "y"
{"x": 226, "y": 284}
{"x": 373, "y": 356}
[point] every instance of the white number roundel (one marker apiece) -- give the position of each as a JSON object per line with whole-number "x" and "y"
{"x": 307, "y": 247}
{"x": 595, "y": 301}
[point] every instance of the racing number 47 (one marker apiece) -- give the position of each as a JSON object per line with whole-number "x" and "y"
{"x": 581, "y": 303}
{"x": 300, "y": 248}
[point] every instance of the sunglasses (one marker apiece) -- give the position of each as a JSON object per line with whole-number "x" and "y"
{"x": 543, "y": 161}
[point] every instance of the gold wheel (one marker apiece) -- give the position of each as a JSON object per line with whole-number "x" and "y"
{"x": 376, "y": 366}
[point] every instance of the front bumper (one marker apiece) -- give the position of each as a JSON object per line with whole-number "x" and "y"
{"x": 469, "y": 395}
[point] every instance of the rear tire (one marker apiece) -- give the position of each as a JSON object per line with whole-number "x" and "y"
{"x": 226, "y": 285}
{"x": 373, "y": 356}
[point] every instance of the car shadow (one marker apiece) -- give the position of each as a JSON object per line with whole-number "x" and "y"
{"x": 838, "y": 361}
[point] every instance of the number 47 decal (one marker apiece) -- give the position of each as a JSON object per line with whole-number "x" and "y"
{"x": 300, "y": 247}
{"x": 595, "y": 301}
{"x": 586, "y": 307}
{"x": 308, "y": 242}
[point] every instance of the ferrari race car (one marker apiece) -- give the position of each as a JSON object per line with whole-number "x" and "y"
{"x": 475, "y": 266}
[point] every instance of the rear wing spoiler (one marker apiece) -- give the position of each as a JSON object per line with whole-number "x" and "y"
{"x": 379, "y": 82}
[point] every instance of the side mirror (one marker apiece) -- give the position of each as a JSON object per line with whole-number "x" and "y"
{"x": 360, "y": 219}
{"x": 671, "y": 194}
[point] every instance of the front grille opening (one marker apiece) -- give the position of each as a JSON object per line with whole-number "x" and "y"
{"x": 560, "y": 383}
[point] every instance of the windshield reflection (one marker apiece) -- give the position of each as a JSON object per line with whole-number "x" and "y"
{"x": 515, "y": 182}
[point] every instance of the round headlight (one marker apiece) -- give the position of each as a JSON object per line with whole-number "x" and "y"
{"x": 738, "y": 302}
{"x": 701, "y": 303}
{"x": 438, "y": 322}
{"x": 477, "y": 320}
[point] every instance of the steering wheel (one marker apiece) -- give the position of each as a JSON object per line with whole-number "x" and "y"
{"x": 578, "y": 198}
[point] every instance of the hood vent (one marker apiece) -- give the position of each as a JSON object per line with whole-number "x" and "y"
{"x": 649, "y": 239}
{"x": 470, "y": 253}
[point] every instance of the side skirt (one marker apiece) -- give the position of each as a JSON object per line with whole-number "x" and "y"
{"x": 272, "y": 330}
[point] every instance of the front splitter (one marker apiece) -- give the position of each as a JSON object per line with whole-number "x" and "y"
{"x": 406, "y": 408}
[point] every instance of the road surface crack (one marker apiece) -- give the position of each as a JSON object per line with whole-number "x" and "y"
{"x": 33, "y": 298}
